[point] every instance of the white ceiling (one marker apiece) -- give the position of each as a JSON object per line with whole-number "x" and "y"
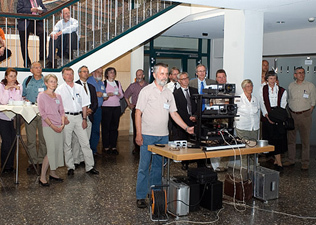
{"x": 294, "y": 13}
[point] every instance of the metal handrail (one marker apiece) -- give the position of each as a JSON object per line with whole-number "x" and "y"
{"x": 99, "y": 25}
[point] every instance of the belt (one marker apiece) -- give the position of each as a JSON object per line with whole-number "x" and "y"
{"x": 74, "y": 114}
{"x": 299, "y": 112}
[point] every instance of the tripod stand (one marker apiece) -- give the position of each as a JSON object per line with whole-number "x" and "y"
{"x": 18, "y": 138}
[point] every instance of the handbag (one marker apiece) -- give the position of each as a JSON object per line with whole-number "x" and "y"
{"x": 123, "y": 105}
{"x": 278, "y": 114}
{"x": 289, "y": 123}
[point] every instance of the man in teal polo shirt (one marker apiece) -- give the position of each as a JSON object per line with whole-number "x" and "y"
{"x": 32, "y": 86}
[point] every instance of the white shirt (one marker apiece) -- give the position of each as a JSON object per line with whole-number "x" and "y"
{"x": 74, "y": 98}
{"x": 66, "y": 27}
{"x": 249, "y": 113}
{"x": 170, "y": 85}
{"x": 88, "y": 91}
{"x": 273, "y": 98}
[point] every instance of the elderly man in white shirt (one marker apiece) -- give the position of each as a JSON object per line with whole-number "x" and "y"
{"x": 60, "y": 38}
{"x": 75, "y": 102}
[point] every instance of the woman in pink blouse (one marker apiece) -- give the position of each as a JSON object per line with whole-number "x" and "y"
{"x": 10, "y": 89}
{"x": 51, "y": 108}
{"x": 111, "y": 111}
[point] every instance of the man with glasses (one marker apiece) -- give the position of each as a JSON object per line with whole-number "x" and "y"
{"x": 200, "y": 82}
{"x": 32, "y": 86}
{"x": 302, "y": 100}
{"x": 186, "y": 105}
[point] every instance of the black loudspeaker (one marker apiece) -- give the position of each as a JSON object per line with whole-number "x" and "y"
{"x": 212, "y": 195}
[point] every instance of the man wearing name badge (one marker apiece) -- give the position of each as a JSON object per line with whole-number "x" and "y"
{"x": 92, "y": 95}
{"x": 155, "y": 104}
{"x": 32, "y": 86}
{"x": 75, "y": 102}
{"x": 96, "y": 81}
{"x": 133, "y": 91}
{"x": 302, "y": 100}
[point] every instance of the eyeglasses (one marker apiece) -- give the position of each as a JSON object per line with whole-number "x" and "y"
{"x": 184, "y": 78}
{"x": 201, "y": 71}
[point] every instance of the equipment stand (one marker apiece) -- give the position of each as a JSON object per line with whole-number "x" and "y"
{"x": 18, "y": 138}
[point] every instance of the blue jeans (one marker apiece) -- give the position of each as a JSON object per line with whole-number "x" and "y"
{"x": 95, "y": 130}
{"x": 146, "y": 178}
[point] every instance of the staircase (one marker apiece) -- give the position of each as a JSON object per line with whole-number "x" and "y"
{"x": 108, "y": 28}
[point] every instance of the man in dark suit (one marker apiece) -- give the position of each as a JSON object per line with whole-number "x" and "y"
{"x": 91, "y": 92}
{"x": 186, "y": 105}
{"x": 25, "y": 27}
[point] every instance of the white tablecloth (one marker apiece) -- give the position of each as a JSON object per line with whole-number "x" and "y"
{"x": 27, "y": 112}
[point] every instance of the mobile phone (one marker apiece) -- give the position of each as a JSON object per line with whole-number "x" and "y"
{"x": 160, "y": 145}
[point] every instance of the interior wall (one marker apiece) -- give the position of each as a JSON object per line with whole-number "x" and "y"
{"x": 123, "y": 70}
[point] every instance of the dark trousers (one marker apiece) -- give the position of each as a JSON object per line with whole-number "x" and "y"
{"x": 136, "y": 146}
{"x": 24, "y": 40}
{"x": 7, "y": 134}
{"x": 110, "y": 122}
{"x": 4, "y": 56}
{"x": 64, "y": 43}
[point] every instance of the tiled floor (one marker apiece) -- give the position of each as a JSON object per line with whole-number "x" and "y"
{"x": 110, "y": 197}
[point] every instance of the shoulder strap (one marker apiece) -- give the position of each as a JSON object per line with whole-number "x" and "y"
{"x": 281, "y": 91}
{"x": 28, "y": 80}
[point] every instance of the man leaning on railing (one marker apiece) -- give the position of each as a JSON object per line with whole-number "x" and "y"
{"x": 26, "y": 27}
{"x": 64, "y": 38}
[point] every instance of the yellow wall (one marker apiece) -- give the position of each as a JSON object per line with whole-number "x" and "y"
{"x": 123, "y": 67}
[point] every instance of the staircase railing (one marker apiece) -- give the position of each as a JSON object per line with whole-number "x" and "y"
{"x": 100, "y": 22}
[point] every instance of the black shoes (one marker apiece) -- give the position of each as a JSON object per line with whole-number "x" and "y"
{"x": 8, "y": 170}
{"x": 278, "y": 168}
{"x": 56, "y": 178}
{"x": 114, "y": 151}
{"x": 43, "y": 184}
{"x": 141, "y": 203}
{"x": 110, "y": 151}
{"x": 93, "y": 171}
{"x": 71, "y": 172}
{"x": 81, "y": 164}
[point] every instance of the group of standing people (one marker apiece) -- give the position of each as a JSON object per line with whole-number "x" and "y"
{"x": 69, "y": 114}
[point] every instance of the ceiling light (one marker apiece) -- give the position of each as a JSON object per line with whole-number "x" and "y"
{"x": 311, "y": 19}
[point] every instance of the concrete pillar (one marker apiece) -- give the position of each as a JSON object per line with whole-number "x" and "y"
{"x": 243, "y": 41}
{"x": 137, "y": 62}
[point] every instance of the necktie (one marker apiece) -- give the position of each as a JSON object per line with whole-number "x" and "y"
{"x": 34, "y": 5}
{"x": 85, "y": 87}
{"x": 201, "y": 92}
{"x": 187, "y": 97}
{"x": 175, "y": 87}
